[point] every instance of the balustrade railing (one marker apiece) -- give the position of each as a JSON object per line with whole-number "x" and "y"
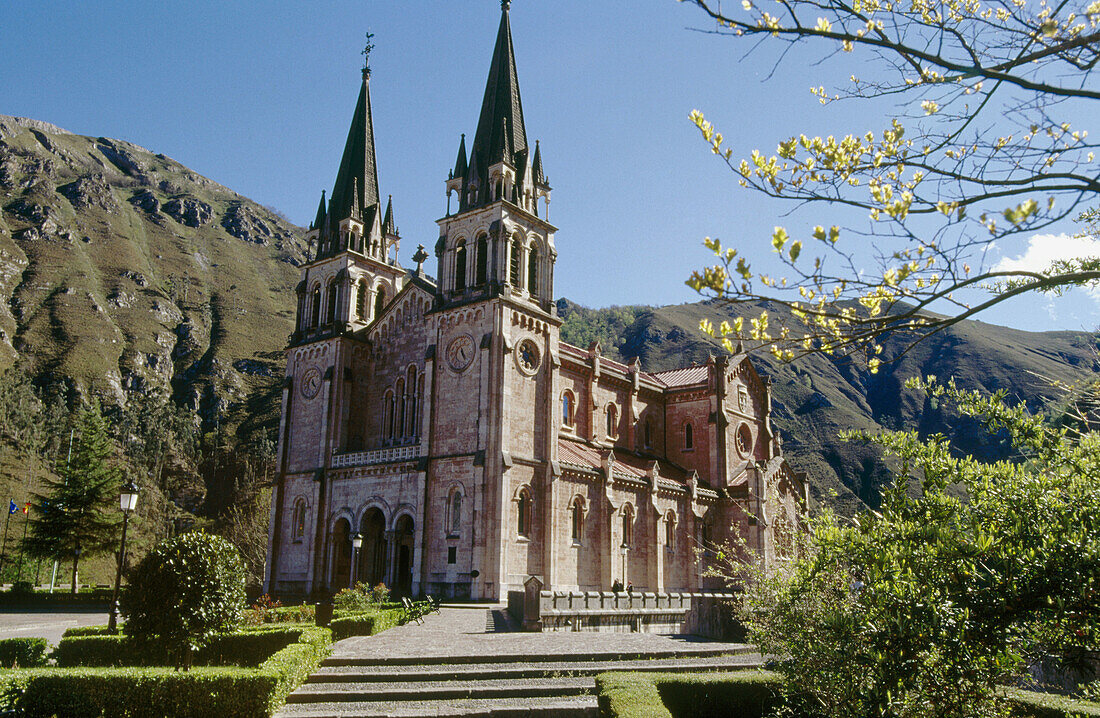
{"x": 385, "y": 455}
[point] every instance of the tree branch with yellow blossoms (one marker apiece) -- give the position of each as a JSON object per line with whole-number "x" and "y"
{"x": 974, "y": 156}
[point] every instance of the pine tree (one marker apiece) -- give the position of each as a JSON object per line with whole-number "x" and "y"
{"x": 74, "y": 516}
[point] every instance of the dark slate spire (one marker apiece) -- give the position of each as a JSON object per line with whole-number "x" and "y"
{"x": 357, "y": 180}
{"x": 388, "y": 227}
{"x": 538, "y": 176}
{"x": 460, "y": 163}
{"x": 320, "y": 219}
{"x": 501, "y": 105}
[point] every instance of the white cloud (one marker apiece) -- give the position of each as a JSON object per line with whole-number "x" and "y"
{"x": 1044, "y": 249}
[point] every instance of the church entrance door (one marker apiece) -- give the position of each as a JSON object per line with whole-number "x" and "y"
{"x": 404, "y": 538}
{"x": 340, "y": 547}
{"x": 372, "y": 557}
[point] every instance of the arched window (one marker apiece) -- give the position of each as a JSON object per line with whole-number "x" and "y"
{"x": 298, "y": 522}
{"x": 578, "y": 519}
{"x": 708, "y": 531}
{"x": 460, "y": 266}
{"x": 315, "y": 306}
{"x": 533, "y": 270}
{"x": 387, "y": 416}
{"x": 379, "y": 302}
{"x": 567, "y": 408}
{"x": 628, "y": 525}
{"x": 414, "y": 401}
{"x": 689, "y": 439}
{"x": 670, "y": 532}
{"x": 482, "y": 260}
{"x": 455, "y": 510}
{"x": 514, "y": 265}
{"x": 523, "y": 518}
{"x": 647, "y": 433}
{"x": 402, "y": 400}
{"x": 612, "y": 421}
{"x": 333, "y": 296}
{"x": 361, "y": 300}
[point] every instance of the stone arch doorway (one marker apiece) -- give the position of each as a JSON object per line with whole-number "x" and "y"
{"x": 403, "y": 536}
{"x": 340, "y": 549}
{"x": 372, "y": 555}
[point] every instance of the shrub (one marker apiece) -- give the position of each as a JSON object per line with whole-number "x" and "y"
{"x": 23, "y": 652}
{"x": 366, "y": 623}
{"x": 22, "y": 588}
{"x": 184, "y": 591}
{"x": 268, "y": 610}
{"x": 88, "y": 631}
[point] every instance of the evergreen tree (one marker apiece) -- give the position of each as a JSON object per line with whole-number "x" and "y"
{"x": 75, "y": 515}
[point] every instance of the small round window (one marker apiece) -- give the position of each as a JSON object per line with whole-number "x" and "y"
{"x": 744, "y": 440}
{"x": 527, "y": 356}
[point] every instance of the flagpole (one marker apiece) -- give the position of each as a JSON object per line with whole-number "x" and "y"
{"x": 22, "y": 546}
{"x": 4, "y": 546}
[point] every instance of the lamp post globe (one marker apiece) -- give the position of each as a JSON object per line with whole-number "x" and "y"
{"x": 127, "y": 501}
{"x": 356, "y": 544}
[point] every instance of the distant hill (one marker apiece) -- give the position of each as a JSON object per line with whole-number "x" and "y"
{"x": 816, "y": 397}
{"x": 120, "y": 269}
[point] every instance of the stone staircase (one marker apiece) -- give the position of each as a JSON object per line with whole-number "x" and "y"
{"x": 485, "y": 685}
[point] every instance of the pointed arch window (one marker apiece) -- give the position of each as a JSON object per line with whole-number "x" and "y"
{"x": 454, "y": 511}
{"x": 567, "y": 405}
{"x": 460, "y": 266}
{"x": 533, "y": 270}
{"x": 387, "y": 416}
{"x": 315, "y": 306}
{"x": 333, "y": 298}
{"x": 298, "y": 523}
{"x": 414, "y": 402}
{"x": 524, "y": 509}
{"x": 482, "y": 272}
{"x": 361, "y": 300}
{"x": 689, "y": 437}
{"x": 514, "y": 264}
{"x": 379, "y": 302}
{"x": 402, "y": 404}
{"x": 577, "y": 520}
{"x": 647, "y": 433}
{"x": 612, "y": 421}
{"x": 628, "y": 526}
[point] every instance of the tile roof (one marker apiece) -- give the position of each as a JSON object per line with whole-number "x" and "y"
{"x": 682, "y": 377}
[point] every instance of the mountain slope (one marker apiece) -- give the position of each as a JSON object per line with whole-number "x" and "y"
{"x": 122, "y": 269}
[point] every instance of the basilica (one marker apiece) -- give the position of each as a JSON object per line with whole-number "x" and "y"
{"x": 437, "y": 436}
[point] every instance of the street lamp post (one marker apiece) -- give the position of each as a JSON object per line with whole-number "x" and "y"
{"x": 128, "y": 502}
{"x": 622, "y": 551}
{"x": 356, "y": 544}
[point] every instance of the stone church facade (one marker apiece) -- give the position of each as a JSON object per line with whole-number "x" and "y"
{"x": 446, "y": 423}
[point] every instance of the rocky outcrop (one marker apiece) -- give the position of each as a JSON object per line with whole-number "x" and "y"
{"x": 90, "y": 191}
{"x": 189, "y": 211}
{"x": 242, "y": 223}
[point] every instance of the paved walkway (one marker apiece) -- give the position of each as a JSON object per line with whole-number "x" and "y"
{"x": 469, "y": 631}
{"x": 47, "y": 624}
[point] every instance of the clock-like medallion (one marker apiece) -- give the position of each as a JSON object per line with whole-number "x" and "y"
{"x": 527, "y": 356}
{"x": 311, "y": 382}
{"x": 460, "y": 352}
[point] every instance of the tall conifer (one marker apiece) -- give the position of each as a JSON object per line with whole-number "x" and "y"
{"x": 75, "y": 514}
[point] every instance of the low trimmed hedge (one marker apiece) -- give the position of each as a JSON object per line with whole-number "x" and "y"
{"x": 754, "y": 694}
{"x": 248, "y": 648}
{"x": 84, "y": 597}
{"x": 23, "y": 652}
{"x": 135, "y": 692}
{"x": 89, "y": 631}
{"x": 367, "y": 623}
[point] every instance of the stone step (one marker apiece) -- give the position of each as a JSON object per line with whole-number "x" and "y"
{"x": 697, "y": 652}
{"x": 442, "y": 690}
{"x": 482, "y": 671}
{"x": 584, "y": 706}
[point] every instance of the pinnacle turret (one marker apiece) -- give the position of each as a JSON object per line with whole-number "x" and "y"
{"x": 460, "y": 163}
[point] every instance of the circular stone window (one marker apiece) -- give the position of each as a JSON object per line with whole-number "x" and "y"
{"x": 527, "y": 357}
{"x": 743, "y": 440}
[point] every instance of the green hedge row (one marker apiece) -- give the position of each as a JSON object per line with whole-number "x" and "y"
{"x": 248, "y": 648}
{"x": 755, "y": 694}
{"x": 133, "y": 692}
{"x": 88, "y": 631}
{"x": 367, "y": 623}
{"x": 23, "y": 652}
{"x": 85, "y": 597}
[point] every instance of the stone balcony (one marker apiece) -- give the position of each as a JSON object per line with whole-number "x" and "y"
{"x": 385, "y": 455}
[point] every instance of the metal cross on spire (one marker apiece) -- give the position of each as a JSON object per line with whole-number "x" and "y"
{"x": 366, "y": 53}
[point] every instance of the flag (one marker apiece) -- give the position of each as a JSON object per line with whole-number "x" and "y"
{"x": 12, "y": 508}
{"x": 26, "y": 507}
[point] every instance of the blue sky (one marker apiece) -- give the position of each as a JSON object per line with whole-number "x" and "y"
{"x": 258, "y": 96}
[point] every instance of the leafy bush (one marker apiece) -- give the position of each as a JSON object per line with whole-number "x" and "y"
{"x": 134, "y": 692}
{"x": 184, "y": 591}
{"x": 23, "y": 652}
{"x": 22, "y": 587}
{"x": 268, "y": 610}
{"x": 367, "y": 623}
{"x": 361, "y": 598}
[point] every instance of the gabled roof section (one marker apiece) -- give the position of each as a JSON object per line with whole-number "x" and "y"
{"x": 357, "y": 180}
{"x": 500, "y": 129}
{"x": 686, "y": 376}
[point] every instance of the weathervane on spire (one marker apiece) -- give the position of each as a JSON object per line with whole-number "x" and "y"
{"x": 366, "y": 54}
